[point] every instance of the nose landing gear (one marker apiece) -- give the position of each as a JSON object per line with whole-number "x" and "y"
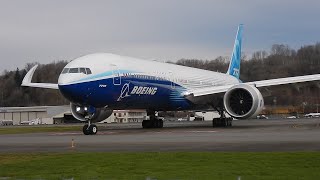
{"x": 90, "y": 129}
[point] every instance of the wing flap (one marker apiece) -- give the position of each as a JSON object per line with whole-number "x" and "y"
{"x": 28, "y": 77}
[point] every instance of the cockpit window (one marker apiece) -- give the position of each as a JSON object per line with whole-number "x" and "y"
{"x": 65, "y": 70}
{"x": 88, "y": 71}
{"x": 83, "y": 70}
{"x": 74, "y": 70}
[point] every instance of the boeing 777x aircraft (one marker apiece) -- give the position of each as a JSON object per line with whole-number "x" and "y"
{"x": 96, "y": 84}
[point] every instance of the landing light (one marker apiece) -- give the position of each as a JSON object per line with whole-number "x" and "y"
{"x": 78, "y": 109}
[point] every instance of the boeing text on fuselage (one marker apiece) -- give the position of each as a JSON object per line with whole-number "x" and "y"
{"x": 144, "y": 90}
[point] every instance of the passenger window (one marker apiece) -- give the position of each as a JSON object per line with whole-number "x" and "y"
{"x": 88, "y": 71}
{"x": 65, "y": 70}
{"x": 74, "y": 70}
{"x": 83, "y": 70}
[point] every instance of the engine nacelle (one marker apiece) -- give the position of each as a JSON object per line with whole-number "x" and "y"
{"x": 96, "y": 114}
{"x": 243, "y": 101}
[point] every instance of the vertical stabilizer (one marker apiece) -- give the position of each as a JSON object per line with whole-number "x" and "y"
{"x": 234, "y": 66}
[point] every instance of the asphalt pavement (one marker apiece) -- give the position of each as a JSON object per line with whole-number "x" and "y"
{"x": 243, "y": 136}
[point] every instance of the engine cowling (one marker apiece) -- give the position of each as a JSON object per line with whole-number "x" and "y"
{"x": 96, "y": 114}
{"x": 243, "y": 101}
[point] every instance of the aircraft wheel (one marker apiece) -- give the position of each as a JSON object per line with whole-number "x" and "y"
{"x": 93, "y": 129}
{"x": 160, "y": 123}
{"x": 225, "y": 122}
{"x": 85, "y": 130}
{"x": 156, "y": 123}
{"x": 215, "y": 122}
{"x": 230, "y": 122}
{"x": 146, "y": 124}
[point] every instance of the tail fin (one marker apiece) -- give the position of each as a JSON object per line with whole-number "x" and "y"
{"x": 234, "y": 66}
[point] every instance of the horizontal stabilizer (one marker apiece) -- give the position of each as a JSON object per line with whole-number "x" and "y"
{"x": 28, "y": 77}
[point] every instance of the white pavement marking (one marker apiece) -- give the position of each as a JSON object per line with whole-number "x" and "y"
{"x": 177, "y": 132}
{"x": 78, "y": 133}
{"x": 66, "y": 133}
{"x": 202, "y": 131}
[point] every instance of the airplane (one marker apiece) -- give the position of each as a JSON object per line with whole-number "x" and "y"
{"x": 96, "y": 84}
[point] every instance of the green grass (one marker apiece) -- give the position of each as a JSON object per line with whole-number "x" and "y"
{"x": 180, "y": 165}
{"x": 38, "y": 129}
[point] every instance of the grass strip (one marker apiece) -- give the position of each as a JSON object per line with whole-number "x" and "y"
{"x": 162, "y": 165}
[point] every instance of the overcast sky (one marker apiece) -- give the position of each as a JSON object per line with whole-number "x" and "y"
{"x": 48, "y": 30}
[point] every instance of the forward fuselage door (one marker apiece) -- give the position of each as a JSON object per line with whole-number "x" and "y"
{"x": 116, "y": 75}
{"x": 171, "y": 77}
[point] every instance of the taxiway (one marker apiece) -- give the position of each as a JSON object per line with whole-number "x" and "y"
{"x": 246, "y": 135}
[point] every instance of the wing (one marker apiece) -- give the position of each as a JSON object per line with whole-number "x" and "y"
{"x": 263, "y": 83}
{"x": 28, "y": 77}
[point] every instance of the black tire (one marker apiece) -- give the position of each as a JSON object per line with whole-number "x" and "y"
{"x": 152, "y": 124}
{"x": 230, "y": 123}
{"x": 225, "y": 122}
{"x": 85, "y": 130}
{"x": 93, "y": 129}
{"x": 214, "y": 122}
{"x": 156, "y": 123}
{"x": 160, "y": 123}
{"x": 144, "y": 124}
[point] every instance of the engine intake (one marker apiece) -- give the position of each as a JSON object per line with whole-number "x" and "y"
{"x": 243, "y": 101}
{"x": 96, "y": 114}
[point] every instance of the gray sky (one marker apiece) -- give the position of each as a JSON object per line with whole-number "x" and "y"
{"x": 48, "y": 30}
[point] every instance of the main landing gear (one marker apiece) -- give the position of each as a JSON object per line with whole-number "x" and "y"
{"x": 90, "y": 129}
{"x": 154, "y": 122}
{"x": 223, "y": 121}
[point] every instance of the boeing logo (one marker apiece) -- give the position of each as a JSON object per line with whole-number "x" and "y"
{"x": 124, "y": 91}
{"x": 137, "y": 90}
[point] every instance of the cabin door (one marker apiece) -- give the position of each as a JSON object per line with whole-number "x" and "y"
{"x": 116, "y": 75}
{"x": 171, "y": 77}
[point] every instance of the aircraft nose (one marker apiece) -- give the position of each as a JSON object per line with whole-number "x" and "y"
{"x": 68, "y": 78}
{"x": 71, "y": 89}
{"x": 73, "y": 92}
{"x": 62, "y": 79}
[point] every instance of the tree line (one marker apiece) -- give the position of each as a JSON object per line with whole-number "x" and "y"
{"x": 12, "y": 94}
{"x": 279, "y": 61}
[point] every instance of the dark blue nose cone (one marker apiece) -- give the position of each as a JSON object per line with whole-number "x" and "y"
{"x": 74, "y": 93}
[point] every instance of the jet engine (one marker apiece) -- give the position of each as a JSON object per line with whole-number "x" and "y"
{"x": 243, "y": 101}
{"x": 83, "y": 113}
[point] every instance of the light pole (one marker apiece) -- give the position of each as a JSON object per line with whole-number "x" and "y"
{"x": 2, "y": 101}
{"x": 317, "y": 108}
{"x": 303, "y": 106}
{"x": 274, "y": 105}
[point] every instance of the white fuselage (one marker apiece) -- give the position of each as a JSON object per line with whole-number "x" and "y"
{"x": 190, "y": 78}
{"x": 124, "y": 82}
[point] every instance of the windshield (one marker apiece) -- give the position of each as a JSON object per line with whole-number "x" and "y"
{"x": 82, "y": 70}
